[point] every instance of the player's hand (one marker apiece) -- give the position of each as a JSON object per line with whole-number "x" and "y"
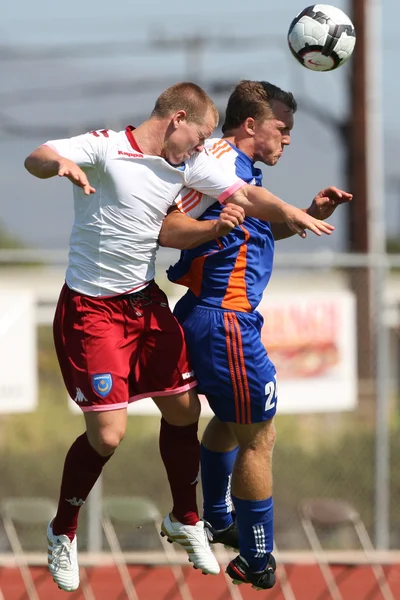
{"x": 298, "y": 221}
{"x": 230, "y": 217}
{"x": 326, "y": 202}
{"x": 75, "y": 174}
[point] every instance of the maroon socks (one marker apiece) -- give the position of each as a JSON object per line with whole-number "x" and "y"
{"x": 180, "y": 452}
{"x": 82, "y": 468}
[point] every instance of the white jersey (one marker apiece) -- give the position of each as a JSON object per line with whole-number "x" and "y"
{"x": 114, "y": 238}
{"x": 194, "y": 203}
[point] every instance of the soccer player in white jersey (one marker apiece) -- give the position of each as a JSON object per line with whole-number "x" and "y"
{"x": 115, "y": 337}
{"x": 226, "y": 278}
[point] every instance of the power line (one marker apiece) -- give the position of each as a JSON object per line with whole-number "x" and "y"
{"x": 12, "y": 128}
{"x": 154, "y": 44}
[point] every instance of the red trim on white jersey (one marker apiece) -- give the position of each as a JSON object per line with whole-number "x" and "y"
{"x": 131, "y": 138}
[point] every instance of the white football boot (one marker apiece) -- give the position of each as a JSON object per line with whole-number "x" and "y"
{"x": 62, "y": 558}
{"x": 194, "y": 539}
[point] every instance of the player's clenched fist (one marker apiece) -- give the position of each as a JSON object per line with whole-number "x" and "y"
{"x": 75, "y": 174}
{"x": 230, "y": 217}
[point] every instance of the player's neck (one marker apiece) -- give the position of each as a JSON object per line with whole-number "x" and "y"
{"x": 244, "y": 144}
{"x": 150, "y": 137}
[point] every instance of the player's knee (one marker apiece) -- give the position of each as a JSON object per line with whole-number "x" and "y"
{"x": 260, "y": 441}
{"x": 183, "y": 409}
{"x": 183, "y": 415}
{"x": 267, "y": 440}
{"x": 106, "y": 441}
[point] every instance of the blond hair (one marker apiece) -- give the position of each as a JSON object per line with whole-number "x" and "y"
{"x": 188, "y": 97}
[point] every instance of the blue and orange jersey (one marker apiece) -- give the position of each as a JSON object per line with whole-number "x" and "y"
{"x": 233, "y": 271}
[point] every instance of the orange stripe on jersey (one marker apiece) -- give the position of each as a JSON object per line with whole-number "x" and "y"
{"x": 191, "y": 202}
{"x": 231, "y": 364}
{"x": 186, "y": 198}
{"x": 242, "y": 370}
{"x": 217, "y": 146}
{"x": 236, "y": 292}
{"x": 188, "y": 195}
{"x": 194, "y": 277}
{"x": 223, "y": 151}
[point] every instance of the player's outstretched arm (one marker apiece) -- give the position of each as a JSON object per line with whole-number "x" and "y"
{"x": 182, "y": 232}
{"x": 322, "y": 207}
{"x": 260, "y": 203}
{"x": 44, "y": 162}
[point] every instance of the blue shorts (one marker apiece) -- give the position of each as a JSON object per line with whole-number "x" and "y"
{"x": 230, "y": 362}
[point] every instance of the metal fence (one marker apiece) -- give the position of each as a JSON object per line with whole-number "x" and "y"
{"x": 346, "y": 454}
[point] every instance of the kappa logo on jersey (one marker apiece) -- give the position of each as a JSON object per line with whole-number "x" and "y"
{"x": 102, "y": 384}
{"x": 130, "y": 154}
{"x": 188, "y": 375}
{"x": 80, "y": 396}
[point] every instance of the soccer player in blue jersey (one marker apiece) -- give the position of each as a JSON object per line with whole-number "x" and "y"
{"x": 226, "y": 278}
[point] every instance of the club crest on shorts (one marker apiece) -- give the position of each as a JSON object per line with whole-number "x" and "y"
{"x": 102, "y": 384}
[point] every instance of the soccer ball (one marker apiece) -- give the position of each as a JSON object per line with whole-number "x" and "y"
{"x": 321, "y": 37}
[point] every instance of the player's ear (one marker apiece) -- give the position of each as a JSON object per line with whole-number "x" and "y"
{"x": 179, "y": 117}
{"x": 250, "y": 125}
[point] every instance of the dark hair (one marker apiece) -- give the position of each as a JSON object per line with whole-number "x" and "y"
{"x": 184, "y": 96}
{"x": 253, "y": 99}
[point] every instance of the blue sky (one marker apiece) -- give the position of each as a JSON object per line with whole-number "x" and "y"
{"x": 314, "y": 159}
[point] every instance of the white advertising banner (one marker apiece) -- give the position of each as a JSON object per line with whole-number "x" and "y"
{"x": 311, "y": 339}
{"x": 18, "y": 380}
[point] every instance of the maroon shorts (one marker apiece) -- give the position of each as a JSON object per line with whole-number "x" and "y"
{"x": 116, "y": 350}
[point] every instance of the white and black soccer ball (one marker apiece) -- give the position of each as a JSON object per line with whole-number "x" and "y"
{"x": 321, "y": 37}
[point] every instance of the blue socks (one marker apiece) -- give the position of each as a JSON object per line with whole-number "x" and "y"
{"x": 216, "y": 473}
{"x": 255, "y": 519}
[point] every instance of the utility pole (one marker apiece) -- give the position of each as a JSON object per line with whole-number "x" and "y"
{"x": 358, "y": 227}
{"x": 367, "y": 234}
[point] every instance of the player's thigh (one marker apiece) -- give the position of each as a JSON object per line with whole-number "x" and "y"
{"x": 93, "y": 353}
{"x": 231, "y": 364}
{"x": 218, "y": 436}
{"x": 180, "y": 409}
{"x": 256, "y": 436}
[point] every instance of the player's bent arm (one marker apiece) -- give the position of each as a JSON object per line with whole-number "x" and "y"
{"x": 44, "y": 162}
{"x": 260, "y": 203}
{"x": 183, "y": 233}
